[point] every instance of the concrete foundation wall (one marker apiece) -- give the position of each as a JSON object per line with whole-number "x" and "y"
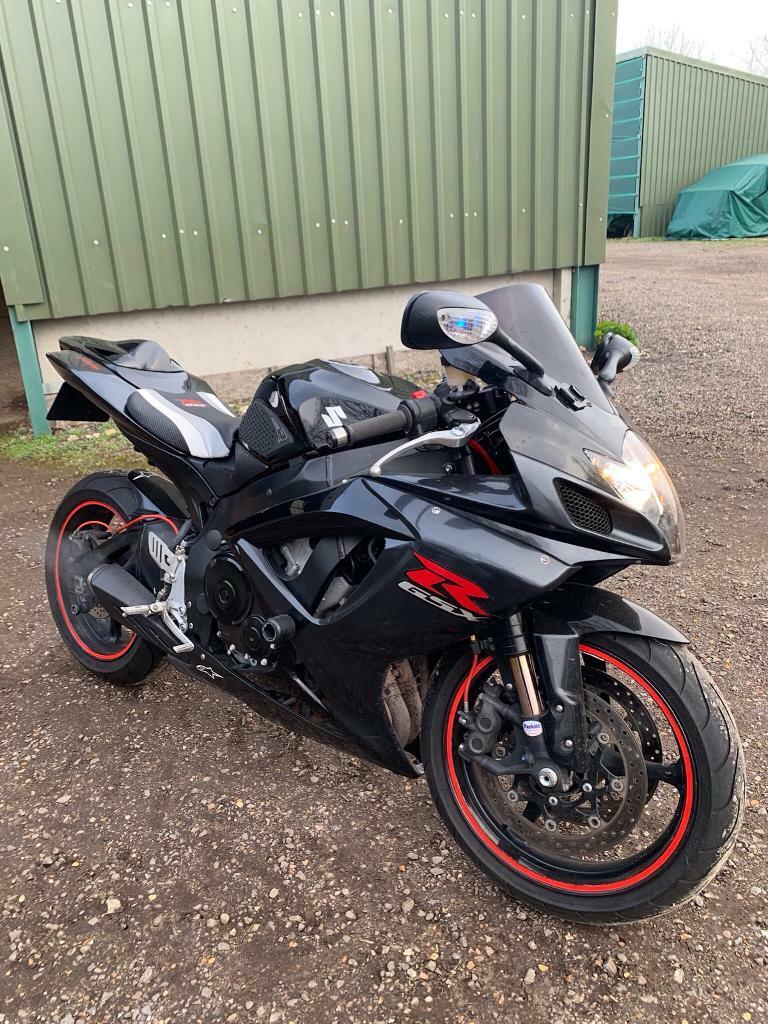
{"x": 248, "y": 336}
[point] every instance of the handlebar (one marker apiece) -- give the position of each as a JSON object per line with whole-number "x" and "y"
{"x": 396, "y": 422}
{"x": 411, "y": 413}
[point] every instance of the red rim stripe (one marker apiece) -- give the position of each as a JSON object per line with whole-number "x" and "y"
{"x": 536, "y": 876}
{"x": 93, "y": 503}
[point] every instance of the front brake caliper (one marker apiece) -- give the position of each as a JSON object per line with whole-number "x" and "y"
{"x": 483, "y": 724}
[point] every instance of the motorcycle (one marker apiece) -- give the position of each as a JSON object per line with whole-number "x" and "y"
{"x": 416, "y": 578}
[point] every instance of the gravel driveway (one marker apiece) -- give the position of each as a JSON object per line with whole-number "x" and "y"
{"x": 165, "y": 855}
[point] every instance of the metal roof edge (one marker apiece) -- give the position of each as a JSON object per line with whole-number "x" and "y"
{"x": 631, "y": 54}
{"x": 679, "y": 58}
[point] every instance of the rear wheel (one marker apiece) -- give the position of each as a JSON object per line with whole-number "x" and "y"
{"x": 94, "y": 511}
{"x": 648, "y": 822}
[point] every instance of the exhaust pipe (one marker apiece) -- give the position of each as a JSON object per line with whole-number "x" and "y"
{"x": 117, "y": 589}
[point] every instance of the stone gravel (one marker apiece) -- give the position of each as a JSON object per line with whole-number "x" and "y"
{"x": 165, "y": 855}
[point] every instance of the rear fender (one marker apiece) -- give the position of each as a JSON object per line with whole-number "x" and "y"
{"x": 71, "y": 404}
{"x": 159, "y": 493}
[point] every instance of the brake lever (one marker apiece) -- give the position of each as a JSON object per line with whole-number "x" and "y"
{"x": 454, "y": 437}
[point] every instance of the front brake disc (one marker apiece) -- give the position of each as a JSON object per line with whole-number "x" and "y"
{"x": 580, "y": 822}
{"x": 639, "y": 719}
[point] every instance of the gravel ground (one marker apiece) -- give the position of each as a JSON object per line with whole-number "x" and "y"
{"x": 167, "y": 856}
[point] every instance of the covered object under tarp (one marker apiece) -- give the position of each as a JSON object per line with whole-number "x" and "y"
{"x": 728, "y": 202}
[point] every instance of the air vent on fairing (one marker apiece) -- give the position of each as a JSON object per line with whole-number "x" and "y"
{"x": 584, "y": 511}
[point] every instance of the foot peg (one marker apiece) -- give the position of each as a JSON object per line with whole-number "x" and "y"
{"x": 162, "y": 609}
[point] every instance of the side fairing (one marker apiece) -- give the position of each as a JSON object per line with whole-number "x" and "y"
{"x": 439, "y": 576}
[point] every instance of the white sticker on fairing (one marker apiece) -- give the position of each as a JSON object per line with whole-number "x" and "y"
{"x": 532, "y": 728}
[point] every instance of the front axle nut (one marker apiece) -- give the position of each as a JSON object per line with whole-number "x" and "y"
{"x": 547, "y": 778}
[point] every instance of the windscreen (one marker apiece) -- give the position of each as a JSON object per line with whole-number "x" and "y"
{"x": 529, "y": 317}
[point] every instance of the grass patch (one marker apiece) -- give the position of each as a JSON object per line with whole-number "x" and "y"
{"x": 82, "y": 447}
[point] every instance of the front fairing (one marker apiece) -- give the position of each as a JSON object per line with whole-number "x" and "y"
{"x": 540, "y": 427}
{"x": 552, "y": 431}
{"x": 555, "y": 429}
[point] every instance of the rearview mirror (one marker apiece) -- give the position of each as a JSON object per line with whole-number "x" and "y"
{"x": 613, "y": 355}
{"x": 436, "y": 319}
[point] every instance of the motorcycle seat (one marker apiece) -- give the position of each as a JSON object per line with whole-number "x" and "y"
{"x": 196, "y": 423}
{"x": 174, "y": 406}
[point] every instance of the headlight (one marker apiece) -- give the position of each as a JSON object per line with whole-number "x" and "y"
{"x": 641, "y": 481}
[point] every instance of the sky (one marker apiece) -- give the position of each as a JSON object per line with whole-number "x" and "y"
{"x": 725, "y": 28}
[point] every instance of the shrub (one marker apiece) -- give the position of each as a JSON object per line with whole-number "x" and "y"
{"x": 615, "y": 327}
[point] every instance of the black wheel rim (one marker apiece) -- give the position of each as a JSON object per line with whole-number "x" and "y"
{"x": 514, "y": 844}
{"x": 95, "y": 633}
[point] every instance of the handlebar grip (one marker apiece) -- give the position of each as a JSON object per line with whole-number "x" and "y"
{"x": 396, "y": 422}
{"x": 411, "y": 412}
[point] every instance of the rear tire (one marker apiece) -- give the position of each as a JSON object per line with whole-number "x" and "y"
{"x": 123, "y": 658}
{"x": 674, "y": 679}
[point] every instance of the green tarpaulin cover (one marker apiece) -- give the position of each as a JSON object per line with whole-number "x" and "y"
{"x": 729, "y": 202}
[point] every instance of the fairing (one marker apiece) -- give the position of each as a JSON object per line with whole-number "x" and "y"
{"x": 549, "y": 430}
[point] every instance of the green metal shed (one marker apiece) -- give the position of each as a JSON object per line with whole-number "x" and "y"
{"x": 159, "y": 155}
{"x": 675, "y": 118}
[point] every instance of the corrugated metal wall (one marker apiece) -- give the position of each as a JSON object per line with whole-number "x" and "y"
{"x": 178, "y": 152}
{"x": 696, "y": 117}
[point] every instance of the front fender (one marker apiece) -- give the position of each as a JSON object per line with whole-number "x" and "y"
{"x": 558, "y": 621}
{"x": 593, "y": 610}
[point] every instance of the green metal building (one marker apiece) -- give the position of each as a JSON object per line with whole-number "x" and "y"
{"x": 160, "y": 155}
{"x": 674, "y": 119}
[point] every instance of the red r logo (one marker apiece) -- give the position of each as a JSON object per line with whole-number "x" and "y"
{"x": 444, "y": 583}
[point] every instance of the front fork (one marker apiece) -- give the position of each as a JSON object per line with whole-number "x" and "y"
{"x": 548, "y": 713}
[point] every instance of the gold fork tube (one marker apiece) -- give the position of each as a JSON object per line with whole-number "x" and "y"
{"x": 526, "y": 686}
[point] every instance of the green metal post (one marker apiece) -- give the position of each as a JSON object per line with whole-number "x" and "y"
{"x": 30, "y": 372}
{"x": 584, "y": 285}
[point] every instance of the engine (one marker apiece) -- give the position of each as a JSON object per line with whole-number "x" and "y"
{"x": 248, "y": 637}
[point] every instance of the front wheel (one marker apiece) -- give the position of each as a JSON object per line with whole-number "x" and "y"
{"x": 642, "y": 829}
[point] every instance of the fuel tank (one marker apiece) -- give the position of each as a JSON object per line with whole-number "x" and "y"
{"x": 312, "y": 397}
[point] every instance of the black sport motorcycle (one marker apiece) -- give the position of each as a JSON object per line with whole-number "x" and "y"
{"x": 415, "y": 578}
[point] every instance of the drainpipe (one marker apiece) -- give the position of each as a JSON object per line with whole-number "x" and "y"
{"x": 584, "y": 285}
{"x": 30, "y": 372}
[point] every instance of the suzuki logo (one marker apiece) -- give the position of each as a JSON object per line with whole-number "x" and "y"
{"x": 436, "y": 586}
{"x": 333, "y": 416}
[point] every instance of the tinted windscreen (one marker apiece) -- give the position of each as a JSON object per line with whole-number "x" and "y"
{"x": 529, "y": 317}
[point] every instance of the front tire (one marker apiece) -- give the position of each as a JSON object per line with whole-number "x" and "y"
{"x": 710, "y": 779}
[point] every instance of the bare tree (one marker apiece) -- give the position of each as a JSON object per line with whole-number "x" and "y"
{"x": 677, "y": 40}
{"x": 757, "y": 60}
